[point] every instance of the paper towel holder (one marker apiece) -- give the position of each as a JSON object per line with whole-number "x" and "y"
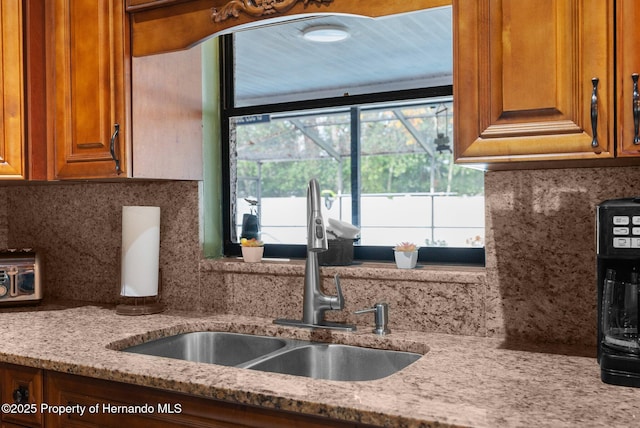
{"x": 141, "y": 274}
{"x": 147, "y": 305}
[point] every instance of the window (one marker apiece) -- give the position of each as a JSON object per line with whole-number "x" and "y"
{"x": 383, "y": 159}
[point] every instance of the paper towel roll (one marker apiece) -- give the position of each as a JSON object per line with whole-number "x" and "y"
{"x": 140, "y": 251}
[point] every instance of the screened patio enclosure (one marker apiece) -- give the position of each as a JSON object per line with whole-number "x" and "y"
{"x": 386, "y": 168}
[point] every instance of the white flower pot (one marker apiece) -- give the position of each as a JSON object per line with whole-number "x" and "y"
{"x": 406, "y": 260}
{"x": 252, "y": 254}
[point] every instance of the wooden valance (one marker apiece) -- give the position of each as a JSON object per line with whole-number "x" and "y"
{"x": 168, "y": 25}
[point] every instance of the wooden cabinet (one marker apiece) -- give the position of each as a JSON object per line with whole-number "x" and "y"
{"x": 94, "y": 87}
{"x": 21, "y": 388}
{"x": 88, "y": 96}
{"x": 12, "y": 137}
{"x": 112, "y": 404}
{"x": 627, "y": 64}
{"x": 523, "y": 80}
{"x": 23, "y": 149}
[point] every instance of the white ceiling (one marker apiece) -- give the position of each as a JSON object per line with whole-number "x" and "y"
{"x": 275, "y": 64}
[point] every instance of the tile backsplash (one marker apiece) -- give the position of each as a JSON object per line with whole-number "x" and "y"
{"x": 539, "y": 282}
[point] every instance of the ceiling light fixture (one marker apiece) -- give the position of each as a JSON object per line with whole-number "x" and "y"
{"x": 325, "y": 33}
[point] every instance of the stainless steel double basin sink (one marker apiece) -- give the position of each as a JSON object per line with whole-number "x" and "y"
{"x": 280, "y": 355}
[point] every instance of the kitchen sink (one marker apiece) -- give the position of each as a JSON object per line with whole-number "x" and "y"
{"x": 337, "y": 362}
{"x": 279, "y": 355}
{"x": 214, "y": 347}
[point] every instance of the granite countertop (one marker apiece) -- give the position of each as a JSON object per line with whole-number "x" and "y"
{"x": 461, "y": 380}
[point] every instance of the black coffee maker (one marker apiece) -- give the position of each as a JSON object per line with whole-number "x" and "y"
{"x": 618, "y": 262}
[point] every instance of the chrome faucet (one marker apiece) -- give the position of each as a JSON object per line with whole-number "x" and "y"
{"x": 315, "y": 303}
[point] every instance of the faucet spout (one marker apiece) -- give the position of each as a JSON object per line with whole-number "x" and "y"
{"x": 316, "y": 232}
{"x": 315, "y": 302}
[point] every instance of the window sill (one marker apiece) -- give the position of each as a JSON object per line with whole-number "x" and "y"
{"x": 367, "y": 270}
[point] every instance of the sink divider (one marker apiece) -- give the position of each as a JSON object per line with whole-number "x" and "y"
{"x": 290, "y": 345}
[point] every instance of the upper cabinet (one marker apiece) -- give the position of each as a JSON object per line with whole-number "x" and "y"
{"x": 12, "y": 137}
{"x": 628, "y": 68}
{"x": 533, "y": 80}
{"x": 89, "y": 93}
{"x": 110, "y": 116}
{"x": 22, "y": 134}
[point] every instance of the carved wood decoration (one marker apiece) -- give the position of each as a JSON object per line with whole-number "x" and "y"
{"x": 258, "y": 8}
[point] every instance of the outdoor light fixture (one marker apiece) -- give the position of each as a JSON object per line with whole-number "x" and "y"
{"x": 442, "y": 139}
{"x": 325, "y": 33}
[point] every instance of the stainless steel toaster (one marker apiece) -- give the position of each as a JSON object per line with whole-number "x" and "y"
{"x": 20, "y": 277}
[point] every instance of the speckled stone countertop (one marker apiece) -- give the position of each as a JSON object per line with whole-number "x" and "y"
{"x": 461, "y": 381}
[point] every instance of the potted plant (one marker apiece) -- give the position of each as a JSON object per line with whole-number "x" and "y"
{"x": 406, "y": 254}
{"x": 252, "y": 250}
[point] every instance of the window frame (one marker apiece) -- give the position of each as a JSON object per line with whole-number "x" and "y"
{"x": 467, "y": 256}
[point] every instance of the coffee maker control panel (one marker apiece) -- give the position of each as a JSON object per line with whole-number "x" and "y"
{"x": 619, "y": 228}
{"x": 626, "y": 231}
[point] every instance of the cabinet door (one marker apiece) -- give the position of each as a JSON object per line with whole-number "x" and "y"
{"x": 88, "y": 95}
{"x": 22, "y": 385}
{"x": 12, "y": 138}
{"x": 523, "y": 73}
{"x": 627, "y": 64}
{"x": 115, "y": 405}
